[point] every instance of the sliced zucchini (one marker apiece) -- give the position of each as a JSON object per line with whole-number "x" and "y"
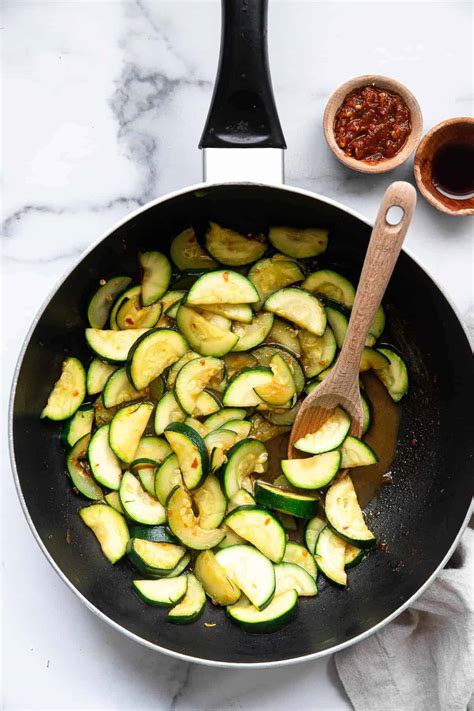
{"x": 213, "y": 577}
{"x": 126, "y": 429}
{"x": 104, "y": 464}
{"x": 241, "y": 389}
{"x": 202, "y": 335}
{"x": 110, "y": 529}
{"x": 299, "y": 307}
{"x": 207, "y": 404}
{"x": 240, "y": 427}
{"x": 372, "y": 360}
{"x": 367, "y": 408}
{"x": 191, "y": 451}
{"x": 163, "y": 592}
{"x": 259, "y": 527}
{"x": 235, "y": 362}
{"x": 353, "y": 556}
{"x": 329, "y": 436}
{"x": 194, "y": 377}
{"x": 344, "y": 514}
{"x": 338, "y": 323}
{"x": 318, "y": 352}
{"x": 192, "y": 605}
{"x": 210, "y": 503}
{"x": 68, "y": 392}
{"x": 180, "y": 568}
{"x": 138, "y": 504}
{"x": 113, "y": 346}
{"x": 282, "y": 417}
{"x": 167, "y": 411}
{"x": 330, "y": 556}
{"x": 132, "y": 314}
{"x": 221, "y": 322}
{"x": 186, "y": 252}
{"x": 186, "y": 525}
{"x": 234, "y": 312}
{"x": 154, "y": 558}
{"x": 288, "y": 522}
{"x": 330, "y": 285}
{"x": 168, "y": 476}
{"x": 269, "y": 275}
{"x": 118, "y": 389}
{"x": 265, "y": 353}
{"x": 103, "y": 415}
{"x": 145, "y": 470}
{"x": 378, "y": 325}
{"x": 394, "y": 374}
{"x": 231, "y": 248}
{"x": 230, "y": 538}
{"x": 312, "y": 531}
{"x": 251, "y": 571}
{"x": 113, "y": 499}
{"x": 289, "y": 576}
{"x": 299, "y": 555}
{"x": 222, "y": 287}
{"x": 281, "y": 390}
{"x": 241, "y": 498}
{"x": 284, "y": 334}
{"x": 218, "y": 443}
{"x": 196, "y": 425}
{"x": 101, "y": 303}
{"x": 79, "y": 425}
{"x": 355, "y": 453}
{"x": 299, "y": 242}
{"x": 214, "y": 422}
{"x": 247, "y": 457}
{"x": 288, "y": 502}
{"x": 149, "y": 455}
{"x": 313, "y": 472}
{"x": 152, "y": 353}
{"x": 153, "y": 533}
{"x": 252, "y": 334}
{"x": 176, "y": 367}
{"x": 132, "y": 293}
{"x": 156, "y": 276}
{"x": 79, "y": 470}
{"x": 97, "y": 375}
{"x": 275, "y": 616}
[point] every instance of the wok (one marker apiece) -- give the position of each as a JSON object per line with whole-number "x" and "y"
{"x": 420, "y": 517}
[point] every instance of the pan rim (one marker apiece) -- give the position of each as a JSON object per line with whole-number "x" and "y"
{"x": 101, "y": 615}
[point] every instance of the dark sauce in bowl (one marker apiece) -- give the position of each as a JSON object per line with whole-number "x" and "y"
{"x": 452, "y": 170}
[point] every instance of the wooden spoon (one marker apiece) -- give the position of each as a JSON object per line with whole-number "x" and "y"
{"x": 341, "y": 386}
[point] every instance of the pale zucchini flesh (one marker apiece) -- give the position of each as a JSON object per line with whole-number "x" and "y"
{"x": 269, "y": 275}
{"x": 118, "y": 389}
{"x": 259, "y": 527}
{"x": 299, "y": 555}
{"x": 314, "y": 472}
{"x": 277, "y": 614}
{"x": 299, "y": 242}
{"x": 210, "y": 503}
{"x": 156, "y": 277}
{"x": 203, "y": 336}
{"x": 222, "y": 287}
{"x": 330, "y": 285}
{"x": 194, "y": 377}
{"x": 191, "y": 606}
{"x": 187, "y": 253}
{"x": 251, "y": 571}
{"x": 101, "y": 303}
{"x": 355, "y": 453}
{"x": 229, "y": 247}
{"x": 163, "y": 592}
{"x": 246, "y": 458}
{"x": 329, "y": 436}
{"x": 241, "y": 389}
{"x": 252, "y": 334}
{"x": 127, "y": 428}
{"x": 330, "y": 556}
{"x": 104, "y": 463}
{"x": 168, "y": 476}
{"x": 344, "y": 514}
{"x": 185, "y": 524}
{"x": 113, "y": 346}
{"x": 281, "y": 391}
{"x": 299, "y": 307}
{"x": 68, "y": 392}
{"x": 138, "y": 504}
{"x": 216, "y": 583}
{"x": 152, "y": 354}
{"x": 97, "y": 375}
{"x": 289, "y": 576}
{"x": 110, "y": 529}
{"x": 394, "y": 374}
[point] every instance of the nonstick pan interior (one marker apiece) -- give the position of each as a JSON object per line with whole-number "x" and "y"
{"x": 418, "y": 517}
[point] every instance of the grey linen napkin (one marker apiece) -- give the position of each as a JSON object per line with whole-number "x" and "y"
{"x": 423, "y": 660}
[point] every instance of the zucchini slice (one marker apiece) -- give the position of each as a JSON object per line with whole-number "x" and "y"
{"x": 196, "y": 425}
{"x": 218, "y": 443}
{"x": 288, "y": 502}
{"x": 394, "y": 374}
{"x": 241, "y": 389}
{"x": 149, "y": 455}
{"x": 113, "y": 346}
{"x": 252, "y": 334}
{"x": 329, "y": 436}
{"x": 152, "y": 353}
{"x": 372, "y": 360}
{"x": 367, "y": 408}
{"x": 222, "y": 287}
{"x": 113, "y": 500}
{"x": 299, "y": 555}
{"x": 247, "y": 457}
{"x": 79, "y": 470}
{"x": 186, "y": 252}
{"x": 156, "y": 277}
{"x": 213, "y": 577}
{"x": 299, "y": 307}
{"x": 110, "y": 529}
{"x": 378, "y": 325}
{"x": 259, "y": 527}
{"x": 312, "y": 531}
{"x": 330, "y": 556}
{"x": 241, "y": 498}
{"x": 132, "y": 293}
{"x": 282, "y": 417}
{"x": 118, "y": 389}
{"x": 289, "y": 576}
{"x": 210, "y": 503}
{"x": 251, "y": 571}
{"x": 299, "y": 242}
{"x": 285, "y": 334}
{"x": 138, "y": 504}
{"x": 353, "y": 556}
{"x": 191, "y": 451}
{"x": 154, "y": 558}
{"x": 330, "y": 285}
{"x": 168, "y": 477}
{"x": 265, "y": 353}
{"x": 194, "y": 377}
{"x": 234, "y": 312}
{"x": 229, "y": 247}
{"x": 192, "y": 605}
{"x": 313, "y": 472}
{"x": 78, "y": 425}
{"x": 318, "y": 352}
{"x": 338, "y": 323}
{"x": 68, "y": 392}
{"x": 104, "y": 464}
{"x": 126, "y": 429}
{"x": 167, "y": 411}
{"x": 101, "y": 303}
{"x": 98, "y": 373}
{"x": 207, "y": 404}
{"x": 202, "y": 335}
{"x": 278, "y": 613}
{"x": 176, "y": 367}
{"x": 132, "y": 314}
{"x": 240, "y": 427}
{"x": 145, "y": 469}
{"x": 344, "y": 514}
{"x": 180, "y": 568}
{"x": 281, "y": 390}
{"x": 356, "y": 453}
{"x": 269, "y": 275}
{"x": 235, "y": 362}
{"x": 153, "y": 533}
{"x": 215, "y": 422}
{"x": 163, "y": 592}
{"x": 186, "y": 526}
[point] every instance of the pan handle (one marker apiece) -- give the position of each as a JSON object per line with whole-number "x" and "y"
{"x": 243, "y": 113}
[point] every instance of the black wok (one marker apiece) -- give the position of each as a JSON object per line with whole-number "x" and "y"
{"x": 420, "y": 517}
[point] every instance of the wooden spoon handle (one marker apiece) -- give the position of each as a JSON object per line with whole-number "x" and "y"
{"x": 382, "y": 254}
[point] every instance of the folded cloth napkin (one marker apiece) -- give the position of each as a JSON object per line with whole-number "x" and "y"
{"x": 423, "y": 660}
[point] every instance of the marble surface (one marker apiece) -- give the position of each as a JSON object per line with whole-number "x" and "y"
{"x": 104, "y": 102}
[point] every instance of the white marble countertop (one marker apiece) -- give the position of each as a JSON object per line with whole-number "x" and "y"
{"x": 104, "y": 103}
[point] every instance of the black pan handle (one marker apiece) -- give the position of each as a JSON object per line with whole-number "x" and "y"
{"x": 243, "y": 113}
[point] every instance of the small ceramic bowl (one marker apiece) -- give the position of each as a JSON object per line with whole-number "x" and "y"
{"x": 380, "y": 82}
{"x": 452, "y": 130}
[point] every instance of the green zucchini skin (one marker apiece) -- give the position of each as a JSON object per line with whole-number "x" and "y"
{"x": 191, "y": 451}
{"x": 272, "y": 497}
{"x": 153, "y": 533}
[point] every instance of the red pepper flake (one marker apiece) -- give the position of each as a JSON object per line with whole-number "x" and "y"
{"x": 267, "y": 521}
{"x": 414, "y": 442}
{"x": 68, "y": 536}
{"x": 75, "y": 393}
{"x": 225, "y": 276}
{"x": 382, "y": 546}
{"x": 129, "y": 320}
{"x": 387, "y": 479}
{"x": 195, "y": 463}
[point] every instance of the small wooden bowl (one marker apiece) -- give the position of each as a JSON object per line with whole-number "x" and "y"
{"x": 380, "y": 82}
{"x": 455, "y": 129}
